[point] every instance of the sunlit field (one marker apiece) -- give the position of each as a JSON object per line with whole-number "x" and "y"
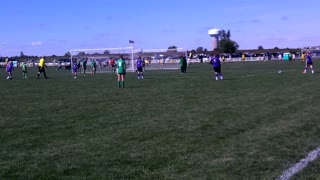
{"x": 254, "y": 124}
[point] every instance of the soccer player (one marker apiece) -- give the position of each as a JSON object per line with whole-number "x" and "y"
{"x": 9, "y": 68}
{"x": 243, "y": 58}
{"x": 84, "y": 66}
{"x": 24, "y": 70}
{"x": 183, "y": 64}
{"x": 41, "y": 68}
{"x": 93, "y": 66}
{"x": 75, "y": 69}
{"x": 215, "y": 61}
{"x": 7, "y": 60}
{"x": 139, "y": 64}
{"x": 303, "y": 57}
{"x": 113, "y": 65}
{"x": 223, "y": 59}
{"x": 308, "y": 64}
{"x": 121, "y": 71}
{"x": 79, "y": 66}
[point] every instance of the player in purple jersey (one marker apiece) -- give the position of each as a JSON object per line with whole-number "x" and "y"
{"x": 75, "y": 68}
{"x": 139, "y": 64}
{"x": 216, "y": 64}
{"x": 308, "y": 63}
{"x": 9, "y": 69}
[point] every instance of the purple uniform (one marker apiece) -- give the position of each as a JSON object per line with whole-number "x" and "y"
{"x": 215, "y": 61}
{"x": 9, "y": 67}
{"x": 309, "y": 60}
{"x": 75, "y": 67}
{"x": 139, "y": 63}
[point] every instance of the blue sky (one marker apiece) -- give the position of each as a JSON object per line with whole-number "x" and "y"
{"x": 46, "y": 27}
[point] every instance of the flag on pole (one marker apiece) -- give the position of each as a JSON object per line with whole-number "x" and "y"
{"x": 131, "y": 42}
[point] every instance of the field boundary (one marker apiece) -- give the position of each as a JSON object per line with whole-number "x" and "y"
{"x": 287, "y": 174}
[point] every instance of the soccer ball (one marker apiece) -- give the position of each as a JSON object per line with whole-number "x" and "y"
{"x": 279, "y": 72}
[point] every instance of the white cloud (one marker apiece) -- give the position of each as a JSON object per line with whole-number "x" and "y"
{"x": 37, "y": 43}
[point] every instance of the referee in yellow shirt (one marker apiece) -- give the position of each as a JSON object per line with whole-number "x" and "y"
{"x": 41, "y": 67}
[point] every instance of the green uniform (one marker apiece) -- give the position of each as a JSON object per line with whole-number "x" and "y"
{"x": 24, "y": 67}
{"x": 183, "y": 65}
{"x": 121, "y": 64}
{"x": 93, "y": 64}
{"x": 24, "y": 71}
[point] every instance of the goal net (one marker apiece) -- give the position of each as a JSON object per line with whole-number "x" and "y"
{"x": 102, "y": 58}
{"x": 160, "y": 59}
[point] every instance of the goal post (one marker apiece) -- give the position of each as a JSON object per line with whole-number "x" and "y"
{"x": 102, "y": 56}
{"x": 161, "y": 59}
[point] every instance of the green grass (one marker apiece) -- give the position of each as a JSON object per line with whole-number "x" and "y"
{"x": 167, "y": 126}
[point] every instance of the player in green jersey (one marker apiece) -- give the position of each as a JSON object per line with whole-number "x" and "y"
{"x": 24, "y": 70}
{"x": 94, "y": 66}
{"x": 121, "y": 71}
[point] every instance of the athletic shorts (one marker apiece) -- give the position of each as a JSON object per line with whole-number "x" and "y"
{"x": 75, "y": 69}
{"x": 113, "y": 65}
{"x": 139, "y": 69}
{"x": 41, "y": 69}
{"x": 24, "y": 71}
{"x": 217, "y": 69}
{"x": 309, "y": 63}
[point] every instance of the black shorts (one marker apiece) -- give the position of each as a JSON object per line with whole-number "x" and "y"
{"x": 217, "y": 69}
{"x": 113, "y": 65}
{"x": 139, "y": 69}
{"x": 309, "y": 63}
{"x": 41, "y": 69}
{"x": 24, "y": 71}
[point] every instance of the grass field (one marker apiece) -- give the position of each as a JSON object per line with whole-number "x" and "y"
{"x": 253, "y": 125}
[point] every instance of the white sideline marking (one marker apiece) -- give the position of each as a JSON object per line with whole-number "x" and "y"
{"x": 313, "y": 155}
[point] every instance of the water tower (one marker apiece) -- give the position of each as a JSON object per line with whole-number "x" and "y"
{"x": 215, "y": 34}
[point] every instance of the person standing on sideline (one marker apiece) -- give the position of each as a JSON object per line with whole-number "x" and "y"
{"x": 41, "y": 68}
{"x": 215, "y": 61}
{"x": 139, "y": 64}
{"x": 121, "y": 71}
{"x": 24, "y": 70}
{"x": 308, "y": 63}
{"x": 84, "y": 66}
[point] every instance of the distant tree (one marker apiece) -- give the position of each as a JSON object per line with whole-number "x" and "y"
{"x": 22, "y": 54}
{"x": 199, "y": 49}
{"x": 67, "y": 54}
{"x": 260, "y": 47}
{"x": 106, "y": 52}
{"x": 172, "y": 48}
{"x": 81, "y": 54}
{"x": 227, "y": 45}
{"x": 54, "y": 55}
{"x": 205, "y": 50}
{"x": 276, "y": 48}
